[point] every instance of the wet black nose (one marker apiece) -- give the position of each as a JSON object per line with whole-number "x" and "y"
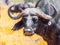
{"x": 28, "y": 32}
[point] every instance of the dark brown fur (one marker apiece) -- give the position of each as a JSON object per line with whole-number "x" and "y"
{"x": 49, "y": 33}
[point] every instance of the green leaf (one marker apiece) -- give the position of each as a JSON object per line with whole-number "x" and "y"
{"x": 30, "y": 0}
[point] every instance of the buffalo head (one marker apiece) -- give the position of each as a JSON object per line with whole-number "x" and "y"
{"x": 30, "y": 19}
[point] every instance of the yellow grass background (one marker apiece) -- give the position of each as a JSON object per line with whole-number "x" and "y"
{"x": 9, "y": 37}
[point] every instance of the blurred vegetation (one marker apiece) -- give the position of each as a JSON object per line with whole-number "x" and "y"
{"x": 15, "y": 0}
{"x": 23, "y": 0}
{"x": 30, "y": 0}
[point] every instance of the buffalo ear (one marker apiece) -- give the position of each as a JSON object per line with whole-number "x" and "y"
{"x": 52, "y": 11}
{"x": 18, "y": 25}
{"x": 46, "y": 7}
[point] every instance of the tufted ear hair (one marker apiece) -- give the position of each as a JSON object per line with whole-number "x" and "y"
{"x": 18, "y": 25}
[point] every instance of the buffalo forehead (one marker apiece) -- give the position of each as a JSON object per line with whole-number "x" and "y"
{"x": 31, "y": 11}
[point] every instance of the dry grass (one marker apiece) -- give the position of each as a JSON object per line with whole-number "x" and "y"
{"x": 9, "y": 37}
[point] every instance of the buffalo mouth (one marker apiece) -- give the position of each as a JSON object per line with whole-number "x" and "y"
{"x": 28, "y": 32}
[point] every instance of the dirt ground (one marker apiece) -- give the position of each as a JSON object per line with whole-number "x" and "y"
{"x": 9, "y": 37}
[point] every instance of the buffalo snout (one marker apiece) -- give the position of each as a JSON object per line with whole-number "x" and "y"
{"x": 28, "y": 32}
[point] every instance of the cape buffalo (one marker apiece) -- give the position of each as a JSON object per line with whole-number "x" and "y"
{"x": 42, "y": 19}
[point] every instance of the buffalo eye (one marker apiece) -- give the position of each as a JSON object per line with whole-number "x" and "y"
{"x": 34, "y": 20}
{"x": 24, "y": 19}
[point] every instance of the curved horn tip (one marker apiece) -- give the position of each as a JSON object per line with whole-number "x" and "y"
{"x": 13, "y": 16}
